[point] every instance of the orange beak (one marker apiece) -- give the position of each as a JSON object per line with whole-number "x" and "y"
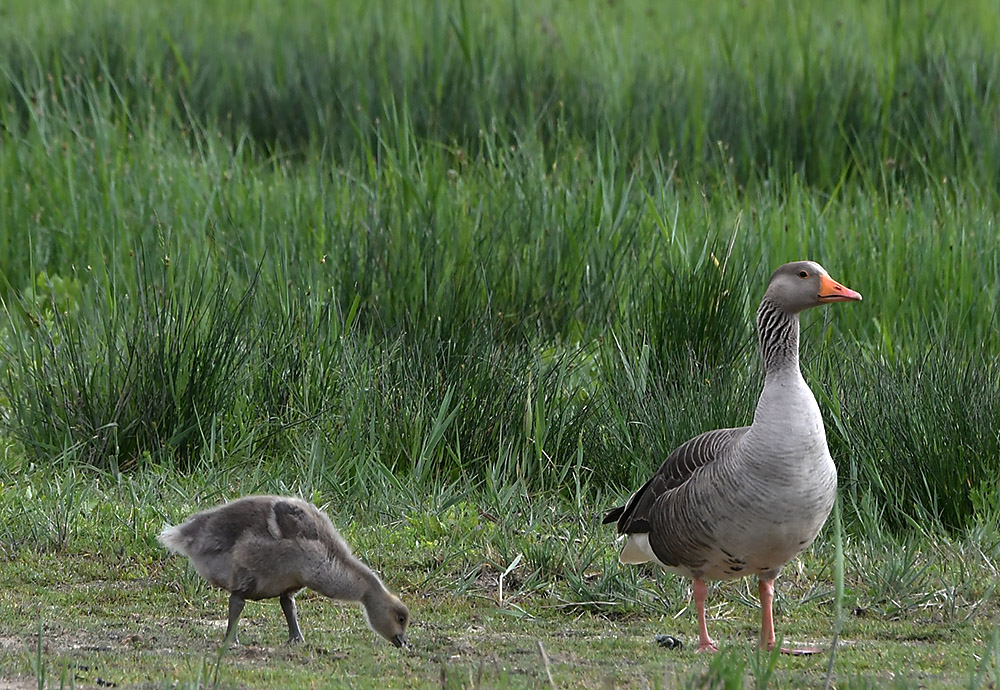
{"x": 832, "y": 291}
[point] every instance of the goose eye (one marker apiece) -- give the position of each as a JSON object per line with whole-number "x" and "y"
{"x": 401, "y": 619}
{"x": 803, "y": 274}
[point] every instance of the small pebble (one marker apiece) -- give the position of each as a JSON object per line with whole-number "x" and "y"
{"x": 669, "y": 641}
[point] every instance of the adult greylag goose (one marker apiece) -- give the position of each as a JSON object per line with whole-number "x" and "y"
{"x": 261, "y": 547}
{"x": 736, "y": 502}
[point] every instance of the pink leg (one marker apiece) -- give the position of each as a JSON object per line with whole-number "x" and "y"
{"x": 765, "y": 588}
{"x": 705, "y": 643}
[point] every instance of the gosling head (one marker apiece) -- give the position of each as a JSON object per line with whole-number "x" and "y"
{"x": 803, "y": 284}
{"x": 387, "y": 616}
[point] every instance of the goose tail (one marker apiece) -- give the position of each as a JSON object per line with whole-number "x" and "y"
{"x": 637, "y": 550}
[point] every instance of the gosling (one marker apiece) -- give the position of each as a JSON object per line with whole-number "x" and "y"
{"x": 261, "y": 547}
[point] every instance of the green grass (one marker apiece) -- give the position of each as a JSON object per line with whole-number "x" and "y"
{"x": 486, "y": 579}
{"x": 468, "y": 271}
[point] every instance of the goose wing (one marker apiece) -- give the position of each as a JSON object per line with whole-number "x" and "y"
{"x": 680, "y": 465}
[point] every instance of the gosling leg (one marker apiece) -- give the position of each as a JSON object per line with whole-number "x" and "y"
{"x": 236, "y": 604}
{"x": 288, "y": 606}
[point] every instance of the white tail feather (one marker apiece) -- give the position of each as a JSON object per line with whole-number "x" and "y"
{"x": 636, "y": 550}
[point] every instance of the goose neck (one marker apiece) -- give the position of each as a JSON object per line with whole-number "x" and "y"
{"x": 778, "y": 331}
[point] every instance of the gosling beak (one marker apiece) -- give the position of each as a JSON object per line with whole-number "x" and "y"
{"x": 400, "y": 640}
{"x": 832, "y": 291}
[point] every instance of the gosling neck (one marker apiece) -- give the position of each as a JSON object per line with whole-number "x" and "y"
{"x": 346, "y": 581}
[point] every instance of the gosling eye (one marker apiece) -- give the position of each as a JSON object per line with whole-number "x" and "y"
{"x": 803, "y": 274}
{"x": 401, "y": 619}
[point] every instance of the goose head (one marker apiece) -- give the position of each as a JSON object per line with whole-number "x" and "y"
{"x": 800, "y": 285}
{"x": 388, "y": 616}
